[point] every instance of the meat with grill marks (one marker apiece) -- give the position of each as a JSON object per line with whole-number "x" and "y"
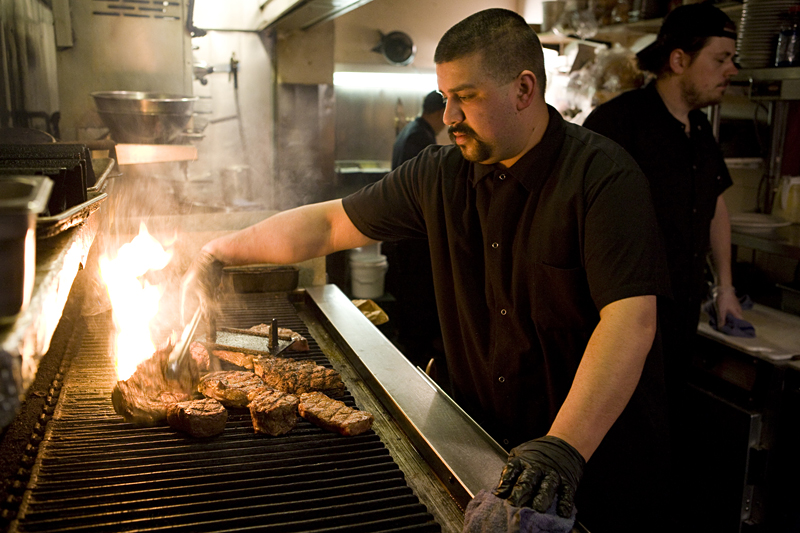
{"x": 205, "y": 417}
{"x": 199, "y": 352}
{"x": 231, "y": 388}
{"x": 274, "y": 412}
{"x": 333, "y": 415}
{"x": 143, "y": 398}
{"x": 297, "y": 377}
{"x": 300, "y": 343}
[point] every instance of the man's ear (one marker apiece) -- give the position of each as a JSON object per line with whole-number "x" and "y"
{"x": 678, "y": 61}
{"x": 527, "y": 88}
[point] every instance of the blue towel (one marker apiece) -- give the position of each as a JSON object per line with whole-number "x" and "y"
{"x": 735, "y": 327}
{"x": 487, "y": 513}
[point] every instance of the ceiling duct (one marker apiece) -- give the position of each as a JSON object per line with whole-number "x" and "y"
{"x": 259, "y": 15}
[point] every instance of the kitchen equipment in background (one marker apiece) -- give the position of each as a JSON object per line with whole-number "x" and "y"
{"x": 263, "y": 278}
{"x": 144, "y": 117}
{"x": 22, "y": 198}
{"x": 397, "y": 48}
{"x": 237, "y": 188}
{"x": 787, "y": 53}
{"x": 368, "y": 272}
{"x": 787, "y": 204}
{"x": 755, "y": 43}
{"x": 757, "y": 223}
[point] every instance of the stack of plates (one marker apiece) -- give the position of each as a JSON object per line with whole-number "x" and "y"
{"x": 756, "y": 222}
{"x": 761, "y": 22}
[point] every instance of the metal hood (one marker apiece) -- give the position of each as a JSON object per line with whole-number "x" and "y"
{"x": 259, "y": 15}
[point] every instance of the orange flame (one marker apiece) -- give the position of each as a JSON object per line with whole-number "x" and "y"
{"x": 133, "y": 299}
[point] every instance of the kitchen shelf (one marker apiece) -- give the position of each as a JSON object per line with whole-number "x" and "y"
{"x": 780, "y": 241}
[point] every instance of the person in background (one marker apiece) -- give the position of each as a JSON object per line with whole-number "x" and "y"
{"x": 409, "y": 278}
{"x": 421, "y": 132}
{"x": 547, "y": 265}
{"x": 663, "y": 127}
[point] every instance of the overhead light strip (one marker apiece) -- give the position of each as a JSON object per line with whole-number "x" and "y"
{"x": 385, "y": 80}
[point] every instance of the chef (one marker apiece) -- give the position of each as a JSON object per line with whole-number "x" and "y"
{"x": 547, "y": 266}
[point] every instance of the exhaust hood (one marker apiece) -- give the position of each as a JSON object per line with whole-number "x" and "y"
{"x": 258, "y": 15}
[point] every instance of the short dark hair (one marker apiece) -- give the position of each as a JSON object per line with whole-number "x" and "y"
{"x": 508, "y": 44}
{"x": 434, "y": 101}
{"x": 688, "y": 28}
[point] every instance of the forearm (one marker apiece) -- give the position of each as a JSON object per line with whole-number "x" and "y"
{"x": 290, "y": 236}
{"x": 720, "y": 238}
{"x": 608, "y": 373}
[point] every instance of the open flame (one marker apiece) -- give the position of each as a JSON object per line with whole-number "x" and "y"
{"x": 133, "y": 299}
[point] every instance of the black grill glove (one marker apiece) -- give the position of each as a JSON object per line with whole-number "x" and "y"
{"x": 199, "y": 289}
{"x": 539, "y": 470}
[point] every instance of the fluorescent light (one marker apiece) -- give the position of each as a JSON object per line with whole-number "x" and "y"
{"x": 385, "y": 80}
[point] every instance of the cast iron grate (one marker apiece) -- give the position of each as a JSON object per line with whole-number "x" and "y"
{"x": 94, "y": 472}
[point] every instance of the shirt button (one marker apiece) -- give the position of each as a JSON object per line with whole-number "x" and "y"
{"x": 505, "y": 442}
{"x": 495, "y": 245}
{"x": 694, "y": 167}
{"x": 501, "y": 379}
{"x": 502, "y": 176}
{"x": 503, "y": 312}
{"x": 694, "y": 210}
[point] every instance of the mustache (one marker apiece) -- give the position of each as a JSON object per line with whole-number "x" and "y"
{"x": 460, "y": 128}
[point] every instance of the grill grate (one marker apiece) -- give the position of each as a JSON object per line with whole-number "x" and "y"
{"x": 95, "y": 472}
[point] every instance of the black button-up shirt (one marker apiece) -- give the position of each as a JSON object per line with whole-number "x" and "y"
{"x": 523, "y": 260}
{"x": 687, "y": 173}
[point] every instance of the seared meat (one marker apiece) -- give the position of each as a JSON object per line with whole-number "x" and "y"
{"x": 200, "y": 352}
{"x": 333, "y": 415}
{"x": 199, "y": 418}
{"x": 232, "y": 388}
{"x": 296, "y": 377}
{"x": 274, "y": 412}
{"x": 300, "y": 343}
{"x": 143, "y": 398}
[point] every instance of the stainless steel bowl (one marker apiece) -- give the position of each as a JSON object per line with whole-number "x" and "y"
{"x": 143, "y": 117}
{"x": 143, "y": 102}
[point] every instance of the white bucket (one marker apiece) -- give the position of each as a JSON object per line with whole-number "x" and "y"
{"x": 367, "y": 275}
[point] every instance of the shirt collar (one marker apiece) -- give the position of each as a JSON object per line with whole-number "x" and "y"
{"x": 695, "y": 116}
{"x": 537, "y": 162}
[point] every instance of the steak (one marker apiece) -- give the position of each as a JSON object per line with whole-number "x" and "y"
{"x": 143, "y": 398}
{"x": 297, "y": 377}
{"x": 232, "y": 388}
{"x": 274, "y": 412}
{"x": 199, "y": 418}
{"x": 199, "y": 352}
{"x": 300, "y": 343}
{"x": 333, "y": 415}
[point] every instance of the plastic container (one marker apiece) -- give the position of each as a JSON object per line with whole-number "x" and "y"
{"x": 22, "y": 198}
{"x": 787, "y": 204}
{"x": 368, "y": 274}
{"x": 787, "y": 53}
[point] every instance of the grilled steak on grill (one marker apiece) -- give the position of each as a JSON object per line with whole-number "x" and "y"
{"x": 199, "y": 351}
{"x": 274, "y": 412}
{"x": 333, "y": 415}
{"x": 297, "y": 377}
{"x": 199, "y": 418}
{"x": 232, "y": 388}
{"x": 143, "y": 398}
{"x": 300, "y": 343}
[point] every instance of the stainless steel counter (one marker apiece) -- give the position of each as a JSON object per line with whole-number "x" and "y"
{"x": 24, "y": 343}
{"x": 456, "y": 447}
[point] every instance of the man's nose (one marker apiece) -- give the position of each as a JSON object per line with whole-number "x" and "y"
{"x": 452, "y": 112}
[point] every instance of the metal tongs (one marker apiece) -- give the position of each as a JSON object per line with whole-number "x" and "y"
{"x": 241, "y": 338}
{"x": 177, "y": 356}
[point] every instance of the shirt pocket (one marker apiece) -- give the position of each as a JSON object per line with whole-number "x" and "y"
{"x": 560, "y": 298}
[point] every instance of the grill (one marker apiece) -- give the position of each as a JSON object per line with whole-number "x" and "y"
{"x": 94, "y": 472}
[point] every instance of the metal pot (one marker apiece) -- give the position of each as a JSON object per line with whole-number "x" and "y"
{"x": 144, "y": 118}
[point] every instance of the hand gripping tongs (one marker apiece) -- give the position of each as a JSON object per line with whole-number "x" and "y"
{"x": 177, "y": 357}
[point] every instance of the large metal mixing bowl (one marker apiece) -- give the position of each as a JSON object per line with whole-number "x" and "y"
{"x": 144, "y": 117}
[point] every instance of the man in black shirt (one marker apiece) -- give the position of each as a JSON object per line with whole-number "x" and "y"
{"x": 547, "y": 262}
{"x": 409, "y": 278}
{"x": 421, "y": 132}
{"x": 663, "y": 128}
